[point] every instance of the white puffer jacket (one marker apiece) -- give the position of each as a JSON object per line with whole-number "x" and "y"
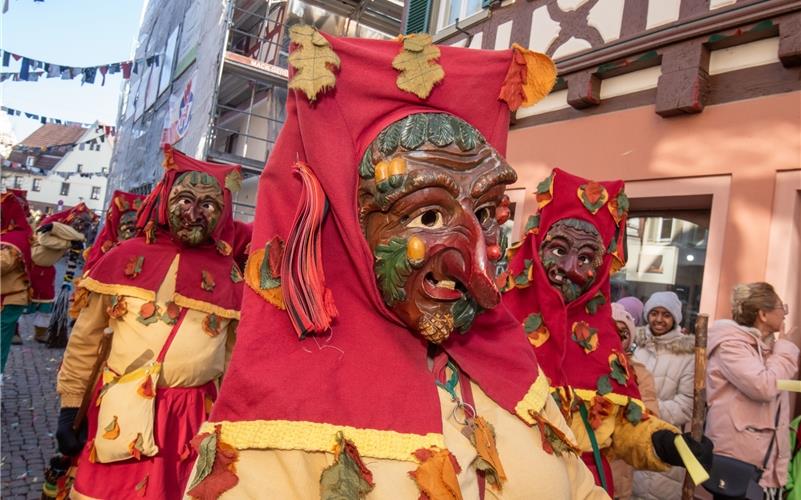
{"x": 671, "y": 360}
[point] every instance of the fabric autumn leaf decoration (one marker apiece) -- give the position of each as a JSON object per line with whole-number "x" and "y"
{"x": 212, "y": 325}
{"x": 545, "y": 191}
{"x": 593, "y": 196}
{"x": 223, "y": 248}
{"x": 619, "y": 206}
{"x": 263, "y": 272}
{"x": 80, "y": 299}
{"x": 620, "y": 369}
{"x": 554, "y": 441}
{"x": 599, "y": 409}
{"x": 112, "y": 430}
{"x": 171, "y": 313}
{"x": 207, "y": 281}
{"x": 134, "y": 266}
{"x": 482, "y": 436}
{"x": 436, "y": 476}
{"x": 592, "y": 305}
{"x": 417, "y": 63}
{"x": 215, "y": 469}
{"x": 633, "y": 412}
{"x": 536, "y": 330}
{"x": 136, "y": 447}
{"x": 148, "y": 313}
{"x": 118, "y": 307}
{"x": 585, "y": 336}
{"x": 530, "y": 77}
{"x": 347, "y": 477}
{"x": 313, "y": 60}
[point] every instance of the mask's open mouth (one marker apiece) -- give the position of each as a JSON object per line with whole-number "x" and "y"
{"x": 446, "y": 289}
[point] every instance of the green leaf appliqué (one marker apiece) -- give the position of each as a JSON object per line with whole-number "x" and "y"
{"x": 391, "y": 268}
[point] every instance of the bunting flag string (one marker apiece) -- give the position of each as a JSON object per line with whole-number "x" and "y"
{"x": 107, "y": 129}
{"x": 31, "y": 69}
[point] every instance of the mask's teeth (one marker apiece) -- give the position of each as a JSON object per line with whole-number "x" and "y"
{"x": 450, "y": 285}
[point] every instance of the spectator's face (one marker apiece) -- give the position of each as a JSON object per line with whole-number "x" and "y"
{"x": 660, "y": 321}
{"x": 625, "y": 335}
{"x": 774, "y": 318}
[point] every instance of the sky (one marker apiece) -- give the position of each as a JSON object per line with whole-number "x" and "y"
{"x": 72, "y": 33}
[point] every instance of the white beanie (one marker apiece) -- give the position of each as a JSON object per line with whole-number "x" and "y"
{"x": 619, "y": 313}
{"x": 669, "y": 301}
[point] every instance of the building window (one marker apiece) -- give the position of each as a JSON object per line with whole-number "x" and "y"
{"x": 104, "y": 170}
{"x": 451, "y": 10}
{"x": 30, "y": 161}
{"x": 65, "y": 189}
{"x": 95, "y": 193}
{"x": 17, "y": 182}
{"x": 79, "y": 168}
{"x": 665, "y": 253}
{"x": 37, "y": 184}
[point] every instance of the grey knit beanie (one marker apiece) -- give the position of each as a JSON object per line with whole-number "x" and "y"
{"x": 669, "y": 301}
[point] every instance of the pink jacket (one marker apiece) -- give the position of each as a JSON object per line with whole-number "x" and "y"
{"x": 743, "y": 398}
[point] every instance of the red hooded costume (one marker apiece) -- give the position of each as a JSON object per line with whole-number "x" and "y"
{"x": 121, "y": 203}
{"x": 577, "y": 343}
{"x": 139, "y": 293}
{"x": 366, "y": 373}
{"x": 15, "y": 232}
{"x": 43, "y": 278}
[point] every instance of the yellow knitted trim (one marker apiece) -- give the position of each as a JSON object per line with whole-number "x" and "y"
{"x": 93, "y": 285}
{"x": 314, "y": 436}
{"x": 205, "y": 307}
{"x": 618, "y": 399}
{"x": 534, "y": 399}
{"x": 39, "y": 301}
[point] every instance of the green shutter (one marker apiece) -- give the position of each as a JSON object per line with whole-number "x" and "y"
{"x": 487, "y": 3}
{"x": 418, "y": 17}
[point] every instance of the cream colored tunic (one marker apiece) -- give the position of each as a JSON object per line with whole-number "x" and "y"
{"x": 530, "y": 471}
{"x": 13, "y": 278}
{"x": 193, "y": 359}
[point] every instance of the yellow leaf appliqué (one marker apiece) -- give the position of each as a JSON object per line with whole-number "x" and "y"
{"x": 313, "y": 61}
{"x": 418, "y": 67}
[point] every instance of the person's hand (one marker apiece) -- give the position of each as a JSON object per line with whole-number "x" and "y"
{"x": 793, "y": 335}
{"x": 70, "y": 441}
{"x": 46, "y": 228}
{"x": 664, "y": 442}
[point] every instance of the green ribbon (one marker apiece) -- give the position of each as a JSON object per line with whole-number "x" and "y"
{"x": 596, "y": 452}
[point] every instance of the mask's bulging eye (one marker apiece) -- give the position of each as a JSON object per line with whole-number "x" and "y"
{"x": 430, "y": 219}
{"x": 485, "y": 215}
{"x": 559, "y": 251}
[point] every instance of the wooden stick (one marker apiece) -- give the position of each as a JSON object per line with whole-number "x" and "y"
{"x": 102, "y": 355}
{"x": 699, "y": 387}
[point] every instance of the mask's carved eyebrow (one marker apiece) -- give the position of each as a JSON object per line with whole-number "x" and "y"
{"x": 452, "y": 160}
{"x": 502, "y": 175}
{"x": 417, "y": 180}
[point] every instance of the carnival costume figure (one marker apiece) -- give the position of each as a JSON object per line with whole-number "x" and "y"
{"x": 558, "y": 288}
{"x": 169, "y": 300}
{"x": 372, "y": 359}
{"x": 15, "y": 258}
{"x": 120, "y": 225}
{"x": 60, "y": 234}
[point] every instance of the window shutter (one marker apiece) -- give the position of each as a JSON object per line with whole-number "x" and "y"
{"x": 418, "y": 17}
{"x": 487, "y": 3}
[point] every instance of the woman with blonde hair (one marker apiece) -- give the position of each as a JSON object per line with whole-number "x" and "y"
{"x": 748, "y": 418}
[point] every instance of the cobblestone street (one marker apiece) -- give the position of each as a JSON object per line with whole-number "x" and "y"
{"x": 29, "y": 417}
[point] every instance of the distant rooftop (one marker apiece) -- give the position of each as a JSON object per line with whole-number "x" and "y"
{"x": 47, "y": 135}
